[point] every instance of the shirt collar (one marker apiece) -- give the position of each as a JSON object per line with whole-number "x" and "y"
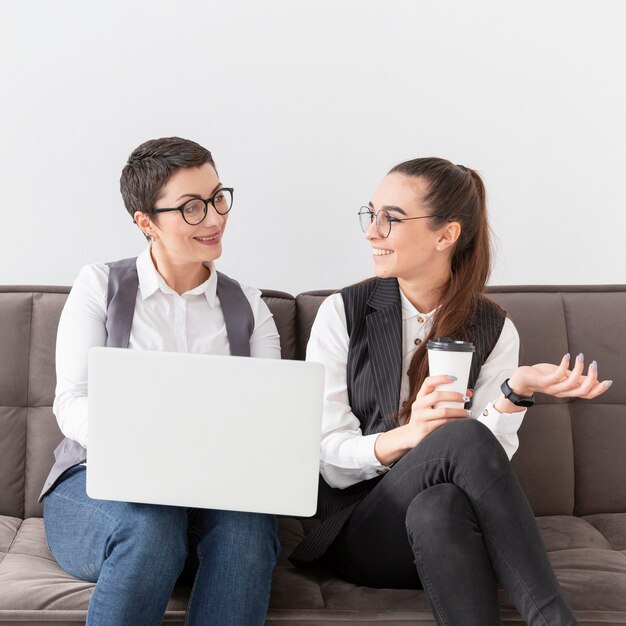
{"x": 150, "y": 281}
{"x": 409, "y": 311}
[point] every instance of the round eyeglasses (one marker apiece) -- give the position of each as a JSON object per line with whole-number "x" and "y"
{"x": 383, "y": 220}
{"x": 195, "y": 210}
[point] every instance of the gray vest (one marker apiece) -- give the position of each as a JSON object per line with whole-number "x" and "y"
{"x": 121, "y": 297}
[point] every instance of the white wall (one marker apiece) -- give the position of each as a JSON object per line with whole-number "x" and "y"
{"x": 305, "y": 106}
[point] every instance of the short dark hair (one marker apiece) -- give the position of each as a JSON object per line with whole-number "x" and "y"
{"x": 150, "y": 166}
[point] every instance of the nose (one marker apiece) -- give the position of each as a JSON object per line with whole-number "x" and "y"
{"x": 371, "y": 232}
{"x": 213, "y": 218}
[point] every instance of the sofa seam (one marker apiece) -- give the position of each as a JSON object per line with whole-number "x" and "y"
{"x": 14, "y": 537}
{"x": 568, "y": 404}
{"x": 613, "y": 548}
{"x": 30, "y": 343}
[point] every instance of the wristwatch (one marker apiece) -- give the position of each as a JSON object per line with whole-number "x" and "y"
{"x": 511, "y": 396}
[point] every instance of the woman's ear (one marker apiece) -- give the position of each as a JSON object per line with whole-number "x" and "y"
{"x": 145, "y": 225}
{"x": 448, "y": 236}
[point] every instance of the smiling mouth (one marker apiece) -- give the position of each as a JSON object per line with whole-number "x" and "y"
{"x": 381, "y": 252}
{"x": 211, "y": 239}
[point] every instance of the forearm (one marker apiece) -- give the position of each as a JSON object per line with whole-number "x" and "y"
{"x": 392, "y": 445}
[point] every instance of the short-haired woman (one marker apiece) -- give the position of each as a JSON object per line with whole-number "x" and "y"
{"x": 136, "y": 552}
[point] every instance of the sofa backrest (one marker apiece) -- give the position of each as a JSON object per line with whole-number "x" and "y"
{"x": 572, "y": 455}
{"x": 29, "y": 317}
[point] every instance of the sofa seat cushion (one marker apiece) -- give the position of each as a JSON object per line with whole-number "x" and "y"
{"x": 31, "y": 580}
{"x": 588, "y": 554}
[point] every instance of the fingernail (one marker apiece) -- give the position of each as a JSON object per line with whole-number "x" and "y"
{"x": 568, "y": 356}
{"x": 594, "y": 365}
{"x": 451, "y": 378}
{"x": 581, "y": 357}
{"x": 469, "y": 413}
{"x": 608, "y": 383}
{"x": 466, "y": 399}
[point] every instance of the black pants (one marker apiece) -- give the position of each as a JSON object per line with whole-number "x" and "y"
{"x": 451, "y": 516}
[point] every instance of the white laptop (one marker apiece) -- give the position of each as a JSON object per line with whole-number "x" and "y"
{"x": 204, "y": 431}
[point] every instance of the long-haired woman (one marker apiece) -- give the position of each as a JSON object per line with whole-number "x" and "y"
{"x": 414, "y": 495}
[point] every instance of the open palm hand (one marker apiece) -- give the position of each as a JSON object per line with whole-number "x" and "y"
{"x": 559, "y": 380}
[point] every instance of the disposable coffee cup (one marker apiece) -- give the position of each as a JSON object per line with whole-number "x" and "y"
{"x": 450, "y": 358}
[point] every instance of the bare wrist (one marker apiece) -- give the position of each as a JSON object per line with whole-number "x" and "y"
{"x": 392, "y": 445}
{"x": 502, "y": 405}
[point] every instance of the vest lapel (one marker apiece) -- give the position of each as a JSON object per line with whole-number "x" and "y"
{"x": 384, "y": 339}
{"x": 121, "y": 297}
{"x": 238, "y": 315}
{"x": 122, "y": 294}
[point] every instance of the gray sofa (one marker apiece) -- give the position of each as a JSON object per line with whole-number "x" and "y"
{"x": 571, "y": 464}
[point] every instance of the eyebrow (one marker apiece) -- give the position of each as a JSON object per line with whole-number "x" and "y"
{"x": 396, "y": 209}
{"x": 197, "y": 195}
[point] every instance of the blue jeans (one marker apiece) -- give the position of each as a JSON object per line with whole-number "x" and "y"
{"x": 136, "y": 552}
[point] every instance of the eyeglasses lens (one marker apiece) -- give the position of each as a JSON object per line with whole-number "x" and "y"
{"x": 223, "y": 201}
{"x": 365, "y": 218}
{"x": 194, "y": 211}
{"x": 383, "y": 225}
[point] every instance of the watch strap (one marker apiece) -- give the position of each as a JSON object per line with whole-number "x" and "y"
{"x": 517, "y": 400}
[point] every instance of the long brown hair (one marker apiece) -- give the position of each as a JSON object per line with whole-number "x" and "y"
{"x": 454, "y": 193}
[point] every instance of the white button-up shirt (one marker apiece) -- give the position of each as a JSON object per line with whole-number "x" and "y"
{"x": 163, "y": 320}
{"x": 347, "y": 456}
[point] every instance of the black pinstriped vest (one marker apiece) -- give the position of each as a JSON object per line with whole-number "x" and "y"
{"x": 374, "y": 374}
{"x": 121, "y": 296}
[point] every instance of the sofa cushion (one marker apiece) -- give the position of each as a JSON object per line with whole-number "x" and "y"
{"x": 27, "y": 380}
{"x": 12, "y": 457}
{"x": 15, "y": 311}
{"x": 599, "y": 432}
{"x": 552, "y": 321}
{"x": 283, "y": 308}
{"x": 588, "y": 554}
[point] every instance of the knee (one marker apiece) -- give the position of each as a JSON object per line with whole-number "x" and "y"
{"x": 470, "y": 430}
{"x": 435, "y": 505}
{"x": 253, "y": 537}
{"x": 473, "y": 437}
{"x": 434, "y": 511}
{"x": 154, "y": 535}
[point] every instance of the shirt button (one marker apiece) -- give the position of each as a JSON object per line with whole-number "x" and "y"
{"x": 417, "y": 341}
{"x": 421, "y": 319}
{"x": 380, "y": 472}
{"x": 485, "y": 412}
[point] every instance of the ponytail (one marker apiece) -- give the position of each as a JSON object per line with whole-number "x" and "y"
{"x": 455, "y": 193}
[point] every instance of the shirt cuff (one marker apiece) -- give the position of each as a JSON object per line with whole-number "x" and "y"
{"x": 366, "y": 457}
{"x": 496, "y": 422}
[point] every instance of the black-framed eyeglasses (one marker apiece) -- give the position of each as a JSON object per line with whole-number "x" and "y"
{"x": 383, "y": 220}
{"x": 195, "y": 210}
